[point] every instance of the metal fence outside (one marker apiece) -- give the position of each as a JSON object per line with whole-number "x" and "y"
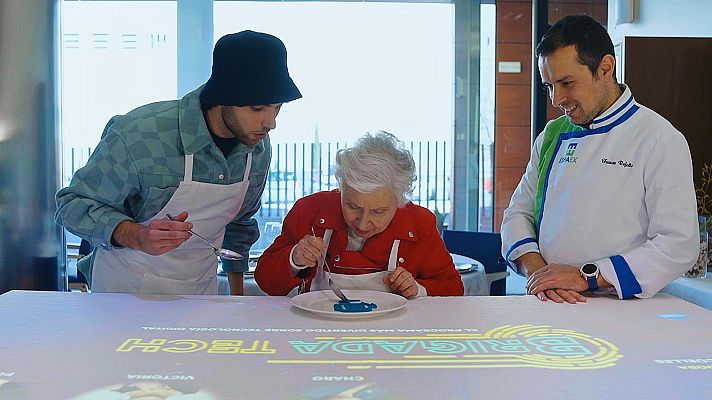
{"x": 300, "y": 169}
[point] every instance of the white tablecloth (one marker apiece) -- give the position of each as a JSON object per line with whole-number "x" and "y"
{"x": 56, "y": 345}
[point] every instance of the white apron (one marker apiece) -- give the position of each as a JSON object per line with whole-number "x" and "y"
{"x": 192, "y": 267}
{"x": 371, "y": 281}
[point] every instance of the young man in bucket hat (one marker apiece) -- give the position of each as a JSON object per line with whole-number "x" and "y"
{"x": 203, "y": 160}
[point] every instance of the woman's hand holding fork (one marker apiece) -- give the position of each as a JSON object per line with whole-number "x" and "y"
{"x": 307, "y": 252}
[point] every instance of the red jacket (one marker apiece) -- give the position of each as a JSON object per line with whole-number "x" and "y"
{"x": 421, "y": 247}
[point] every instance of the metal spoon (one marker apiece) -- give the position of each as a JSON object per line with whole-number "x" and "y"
{"x": 225, "y": 254}
{"x": 323, "y": 263}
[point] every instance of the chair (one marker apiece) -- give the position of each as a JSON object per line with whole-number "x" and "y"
{"x": 79, "y": 282}
{"x": 484, "y": 247}
{"x": 85, "y": 248}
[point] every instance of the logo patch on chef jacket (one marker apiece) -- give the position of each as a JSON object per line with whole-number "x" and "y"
{"x": 569, "y": 156}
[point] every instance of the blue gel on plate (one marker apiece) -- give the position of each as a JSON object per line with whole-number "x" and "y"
{"x": 352, "y": 306}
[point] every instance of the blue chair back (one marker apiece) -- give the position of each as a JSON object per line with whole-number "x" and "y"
{"x": 484, "y": 247}
{"x": 84, "y": 250}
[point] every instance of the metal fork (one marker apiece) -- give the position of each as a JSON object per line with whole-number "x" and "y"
{"x": 334, "y": 287}
{"x": 332, "y": 284}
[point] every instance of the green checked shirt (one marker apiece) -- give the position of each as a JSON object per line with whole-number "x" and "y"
{"x": 138, "y": 165}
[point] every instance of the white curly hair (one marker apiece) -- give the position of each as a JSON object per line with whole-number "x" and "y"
{"x": 377, "y": 161}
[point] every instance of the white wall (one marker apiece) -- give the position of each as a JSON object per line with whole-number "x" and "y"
{"x": 678, "y": 18}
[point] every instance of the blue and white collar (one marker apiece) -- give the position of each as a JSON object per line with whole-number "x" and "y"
{"x": 616, "y": 110}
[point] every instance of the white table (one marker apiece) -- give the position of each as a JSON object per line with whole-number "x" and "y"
{"x": 58, "y": 345}
{"x": 472, "y": 274}
{"x": 694, "y": 290}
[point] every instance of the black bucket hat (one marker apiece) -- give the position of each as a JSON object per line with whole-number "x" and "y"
{"x": 249, "y": 69}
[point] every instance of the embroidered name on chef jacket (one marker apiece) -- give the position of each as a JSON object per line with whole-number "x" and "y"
{"x": 569, "y": 155}
{"x": 619, "y": 163}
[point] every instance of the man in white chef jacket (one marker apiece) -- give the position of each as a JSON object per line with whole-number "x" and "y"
{"x": 607, "y": 201}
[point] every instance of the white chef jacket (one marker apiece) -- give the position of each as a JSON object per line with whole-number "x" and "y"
{"x": 619, "y": 195}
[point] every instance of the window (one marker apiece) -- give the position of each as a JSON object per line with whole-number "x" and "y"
{"x": 486, "y": 127}
{"x": 395, "y": 75}
{"x": 360, "y": 65}
{"x": 115, "y": 56}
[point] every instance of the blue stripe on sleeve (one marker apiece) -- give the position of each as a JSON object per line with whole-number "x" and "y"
{"x": 629, "y": 285}
{"x": 519, "y": 243}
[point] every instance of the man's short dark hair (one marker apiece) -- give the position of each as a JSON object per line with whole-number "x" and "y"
{"x": 590, "y": 38}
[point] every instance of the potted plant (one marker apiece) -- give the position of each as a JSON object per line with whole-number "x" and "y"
{"x": 704, "y": 216}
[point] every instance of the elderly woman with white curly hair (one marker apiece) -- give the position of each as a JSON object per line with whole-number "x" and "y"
{"x": 373, "y": 237}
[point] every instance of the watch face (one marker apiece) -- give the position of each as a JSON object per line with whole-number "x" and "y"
{"x": 589, "y": 269}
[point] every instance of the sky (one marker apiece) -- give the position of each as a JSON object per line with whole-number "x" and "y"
{"x": 360, "y": 66}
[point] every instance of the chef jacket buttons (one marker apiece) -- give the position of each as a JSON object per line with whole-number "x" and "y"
{"x": 221, "y": 176}
{"x": 401, "y": 260}
{"x": 337, "y": 258}
{"x": 321, "y": 221}
{"x": 411, "y": 234}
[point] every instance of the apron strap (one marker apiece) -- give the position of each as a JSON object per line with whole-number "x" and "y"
{"x": 188, "y": 174}
{"x": 246, "y": 177}
{"x": 393, "y": 259}
{"x": 326, "y": 239}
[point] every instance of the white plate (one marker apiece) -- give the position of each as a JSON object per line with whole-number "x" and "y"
{"x": 322, "y": 302}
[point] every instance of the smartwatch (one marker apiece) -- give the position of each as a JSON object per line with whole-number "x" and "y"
{"x": 590, "y": 274}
